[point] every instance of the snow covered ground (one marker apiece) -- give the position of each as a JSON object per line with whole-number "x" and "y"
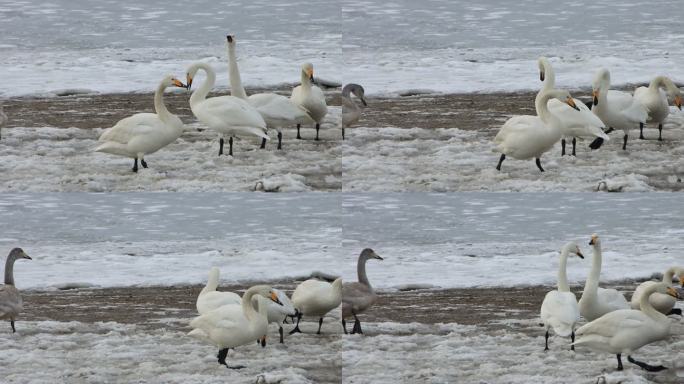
{"x": 62, "y": 159}
{"x": 453, "y": 159}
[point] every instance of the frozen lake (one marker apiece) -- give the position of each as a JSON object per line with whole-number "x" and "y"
{"x": 459, "y": 240}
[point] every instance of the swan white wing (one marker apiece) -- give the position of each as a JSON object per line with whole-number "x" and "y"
{"x": 141, "y": 124}
{"x": 582, "y": 123}
{"x": 230, "y": 113}
{"x": 627, "y": 105}
{"x": 611, "y": 298}
{"x": 226, "y": 317}
{"x": 278, "y": 110}
{"x": 619, "y": 100}
{"x": 310, "y": 290}
{"x": 608, "y": 325}
{"x": 662, "y": 303}
{"x": 10, "y": 301}
{"x": 209, "y": 301}
{"x": 560, "y": 311}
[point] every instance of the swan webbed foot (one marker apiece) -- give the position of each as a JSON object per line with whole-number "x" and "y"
{"x": 538, "y": 162}
{"x": 574, "y": 144}
{"x": 135, "y": 165}
{"x": 660, "y": 132}
{"x": 619, "y": 359}
{"x": 357, "y": 326}
{"x": 143, "y": 163}
{"x": 596, "y": 144}
{"x": 675, "y": 311}
{"x": 222, "y": 359}
{"x": 14, "y": 330}
{"x": 641, "y": 131}
{"x": 501, "y": 159}
{"x": 624, "y": 145}
{"x": 318, "y": 126}
{"x": 280, "y": 331}
{"x": 298, "y": 135}
{"x": 562, "y": 147}
{"x": 320, "y": 324}
{"x": 646, "y": 367}
{"x": 220, "y": 146}
{"x": 296, "y": 328}
{"x": 263, "y": 143}
{"x": 280, "y": 140}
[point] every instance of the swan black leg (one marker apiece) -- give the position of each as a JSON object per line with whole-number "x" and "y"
{"x": 320, "y": 324}
{"x": 660, "y": 132}
{"x": 280, "y": 140}
{"x": 263, "y": 342}
{"x": 222, "y": 359}
{"x": 344, "y": 326}
{"x": 562, "y": 147}
{"x": 221, "y": 146}
{"x": 619, "y": 357}
{"x": 14, "y": 330}
{"x": 572, "y": 337}
{"x": 296, "y": 328}
{"x": 641, "y": 131}
{"x": 280, "y": 330}
{"x": 538, "y": 162}
{"x": 135, "y": 165}
{"x": 318, "y": 126}
{"x": 357, "y": 326}
{"x": 143, "y": 163}
{"x": 342, "y": 133}
{"x": 546, "y": 341}
{"x": 230, "y": 146}
{"x": 574, "y": 144}
{"x": 675, "y": 311}
{"x": 624, "y": 145}
{"x": 298, "y": 136}
{"x": 646, "y": 367}
{"x": 263, "y": 143}
{"x": 501, "y": 159}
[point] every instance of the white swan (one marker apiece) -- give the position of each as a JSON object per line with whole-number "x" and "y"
{"x": 227, "y": 115}
{"x": 654, "y": 99}
{"x": 626, "y": 330}
{"x": 11, "y": 304}
{"x": 351, "y": 112}
{"x": 617, "y": 110}
{"x": 559, "y": 310}
{"x": 310, "y": 98}
{"x": 278, "y": 312}
{"x": 144, "y": 133}
{"x": 210, "y": 299}
{"x": 316, "y": 298}
{"x": 358, "y": 296}
{"x": 527, "y": 137}
{"x": 573, "y": 124}
{"x": 231, "y": 326}
{"x": 277, "y": 110}
{"x": 595, "y": 301}
{"x": 3, "y": 119}
{"x": 662, "y": 303}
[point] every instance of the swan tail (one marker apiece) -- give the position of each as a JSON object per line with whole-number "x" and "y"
{"x": 114, "y": 148}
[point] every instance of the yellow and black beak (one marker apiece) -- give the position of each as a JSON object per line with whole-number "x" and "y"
{"x": 678, "y": 102}
{"x": 178, "y": 83}
{"x": 188, "y": 81}
{"x": 274, "y": 298}
{"x": 569, "y": 101}
{"x": 541, "y": 76}
{"x": 25, "y": 256}
{"x": 672, "y": 292}
{"x": 595, "y": 94}
{"x": 229, "y": 38}
{"x": 579, "y": 253}
{"x": 310, "y": 74}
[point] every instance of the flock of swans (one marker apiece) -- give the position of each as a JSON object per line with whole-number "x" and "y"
{"x": 227, "y": 320}
{"x": 561, "y": 117}
{"x": 229, "y": 116}
{"x": 613, "y": 325}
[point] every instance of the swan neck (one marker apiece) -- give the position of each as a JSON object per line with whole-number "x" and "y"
{"x": 306, "y": 81}
{"x": 201, "y": 93}
{"x": 542, "y": 107}
{"x": 361, "y": 271}
{"x": 212, "y": 282}
{"x": 591, "y": 285}
{"x": 646, "y": 307}
{"x": 562, "y": 273}
{"x": 236, "y": 88}
{"x": 657, "y": 82}
{"x": 667, "y": 276}
{"x": 9, "y": 270}
{"x": 159, "y": 105}
{"x": 247, "y": 307}
{"x": 549, "y": 76}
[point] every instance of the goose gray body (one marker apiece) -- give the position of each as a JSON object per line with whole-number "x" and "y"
{"x": 10, "y": 297}
{"x": 358, "y": 296}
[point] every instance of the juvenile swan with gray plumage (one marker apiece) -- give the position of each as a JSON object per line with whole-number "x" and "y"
{"x": 358, "y": 296}
{"x": 10, "y": 298}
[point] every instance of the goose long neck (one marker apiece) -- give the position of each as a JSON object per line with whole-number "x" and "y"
{"x": 9, "y": 270}
{"x": 646, "y": 307}
{"x": 159, "y": 105}
{"x": 236, "y": 88}
{"x": 247, "y": 307}
{"x": 201, "y": 93}
{"x": 549, "y": 76}
{"x": 212, "y": 282}
{"x": 306, "y": 82}
{"x": 541, "y": 105}
{"x": 361, "y": 271}
{"x": 591, "y": 285}
{"x": 562, "y": 273}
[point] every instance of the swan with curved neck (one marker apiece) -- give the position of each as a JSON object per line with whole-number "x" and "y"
{"x": 230, "y": 326}
{"x": 559, "y": 309}
{"x": 276, "y": 110}
{"x": 11, "y": 303}
{"x": 626, "y": 330}
{"x": 277, "y": 313}
{"x": 655, "y": 99}
{"x": 310, "y": 98}
{"x": 316, "y": 298}
{"x": 595, "y": 301}
{"x": 662, "y": 303}
{"x": 144, "y": 133}
{"x": 210, "y": 299}
{"x": 351, "y": 111}
{"x": 227, "y": 115}
{"x": 617, "y": 110}
{"x": 573, "y": 125}
{"x": 358, "y": 296}
{"x": 527, "y": 137}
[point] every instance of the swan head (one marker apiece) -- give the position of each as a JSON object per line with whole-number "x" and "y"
{"x": 171, "y": 81}
{"x": 357, "y": 90}
{"x": 543, "y": 64}
{"x": 230, "y": 39}
{"x": 192, "y": 71}
{"x": 368, "y": 254}
{"x": 595, "y": 241}
{"x": 662, "y": 288}
{"x": 678, "y": 101}
{"x": 563, "y": 96}
{"x": 573, "y": 248}
{"x": 18, "y": 253}
{"x": 308, "y": 71}
{"x": 601, "y": 80}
